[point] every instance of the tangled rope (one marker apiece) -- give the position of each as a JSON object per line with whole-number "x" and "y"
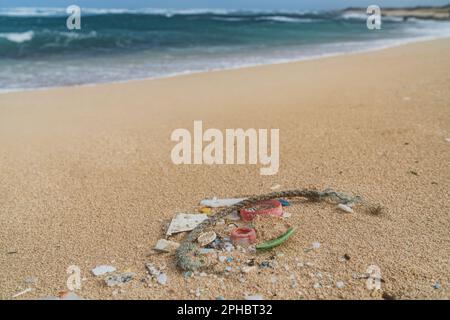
{"x": 188, "y": 246}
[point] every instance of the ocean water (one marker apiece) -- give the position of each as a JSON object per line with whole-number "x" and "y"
{"x": 114, "y": 45}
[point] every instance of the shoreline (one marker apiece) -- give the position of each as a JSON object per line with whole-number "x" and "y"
{"x": 399, "y": 43}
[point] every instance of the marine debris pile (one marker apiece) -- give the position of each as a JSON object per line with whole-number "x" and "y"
{"x": 227, "y": 234}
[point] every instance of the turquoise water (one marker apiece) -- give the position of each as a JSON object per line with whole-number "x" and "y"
{"x": 37, "y": 50}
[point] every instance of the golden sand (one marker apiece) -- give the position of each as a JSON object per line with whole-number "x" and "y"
{"x": 86, "y": 176}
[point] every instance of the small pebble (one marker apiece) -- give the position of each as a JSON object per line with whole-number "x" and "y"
{"x": 286, "y": 215}
{"x": 222, "y": 259}
{"x": 220, "y": 298}
{"x": 317, "y": 285}
{"x": 118, "y": 279}
{"x": 339, "y": 284}
{"x": 162, "y": 278}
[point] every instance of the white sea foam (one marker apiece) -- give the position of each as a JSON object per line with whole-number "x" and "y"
{"x": 287, "y": 19}
{"x": 18, "y": 37}
{"x": 61, "y": 11}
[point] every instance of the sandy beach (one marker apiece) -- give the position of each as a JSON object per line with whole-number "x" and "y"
{"x": 86, "y": 177}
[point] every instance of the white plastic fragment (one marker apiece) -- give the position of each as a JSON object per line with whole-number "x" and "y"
{"x": 206, "y": 238}
{"x": 316, "y": 245}
{"x": 345, "y": 208}
{"x": 102, "y": 269}
{"x": 22, "y": 292}
{"x": 254, "y": 297}
{"x": 164, "y": 245}
{"x": 185, "y": 222}
{"x": 217, "y": 203}
{"x": 339, "y": 284}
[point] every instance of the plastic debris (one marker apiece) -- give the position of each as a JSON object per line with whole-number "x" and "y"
{"x": 284, "y": 202}
{"x": 344, "y": 208}
{"x": 243, "y": 236}
{"x": 228, "y": 247}
{"x": 22, "y": 292}
{"x": 254, "y": 297}
{"x": 339, "y": 284}
{"x": 206, "y": 238}
{"x": 206, "y": 210}
{"x": 267, "y": 207}
{"x": 317, "y": 285}
{"x": 118, "y": 279}
{"x": 437, "y": 285}
{"x": 152, "y": 270}
{"x": 185, "y": 222}
{"x": 69, "y": 295}
{"x": 287, "y": 215}
{"x": 293, "y": 279}
{"x": 103, "y": 269}
{"x": 220, "y": 298}
{"x": 276, "y": 242}
{"x": 161, "y": 279}
{"x": 164, "y": 245}
{"x": 234, "y": 216}
{"x": 206, "y": 250}
{"x": 218, "y": 203}
{"x": 316, "y": 245}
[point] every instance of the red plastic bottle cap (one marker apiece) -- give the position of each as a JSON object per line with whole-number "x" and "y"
{"x": 270, "y": 207}
{"x": 243, "y": 236}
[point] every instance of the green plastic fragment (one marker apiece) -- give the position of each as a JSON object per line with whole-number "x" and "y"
{"x": 275, "y": 242}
